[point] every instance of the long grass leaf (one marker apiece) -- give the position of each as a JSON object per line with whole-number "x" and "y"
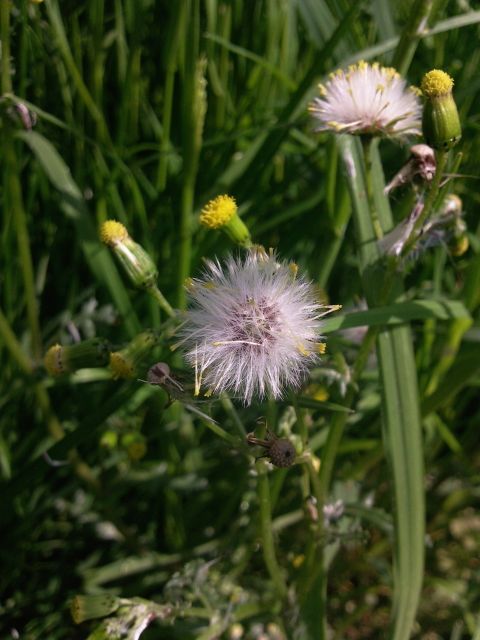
{"x": 73, "y": 205}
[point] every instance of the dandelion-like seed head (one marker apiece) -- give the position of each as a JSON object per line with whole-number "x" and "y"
{"x": 367, "y": 99}
{"x": 252, "y": 327}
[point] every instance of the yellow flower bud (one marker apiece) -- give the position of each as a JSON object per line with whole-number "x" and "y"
{"x": 124, "y": 363}
{"x": 440, "y": 122}
{"x": 138, "y": 265}
{"x": 65, "y": 359}
{"x": 222, "y": 213}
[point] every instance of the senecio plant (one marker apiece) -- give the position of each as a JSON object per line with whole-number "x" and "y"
{"x": 253, "y": 331}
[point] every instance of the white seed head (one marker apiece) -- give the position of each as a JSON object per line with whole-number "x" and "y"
{"x": 368, "y": 99}
{"x": 252, "y": 327}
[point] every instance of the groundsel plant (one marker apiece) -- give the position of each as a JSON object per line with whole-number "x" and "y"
{"x": 253, "y": 326}
{"x": 367, "y": 99}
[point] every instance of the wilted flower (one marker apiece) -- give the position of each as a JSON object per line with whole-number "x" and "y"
{"x": 367, "y": 99}
{"x": 420, "y": 167}
{"x": 252, "y": 327}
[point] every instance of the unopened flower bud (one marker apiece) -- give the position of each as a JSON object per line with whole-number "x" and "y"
{"x": 440, "y": 123}
{"x": 65, "y": 359}
{"x": 222, "y": 213}
{"x": 136, "y": 262}
{"x": 135, "y": 445}
{"x": 459, "y": 245}
{"x": 124, "y": 363}
{"x": 93, "y": 606}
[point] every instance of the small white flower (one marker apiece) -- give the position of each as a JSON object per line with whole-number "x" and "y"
{"x": 368, "y": 99}
{"x": 252, "y": 327}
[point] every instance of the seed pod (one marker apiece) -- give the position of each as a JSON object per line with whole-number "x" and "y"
{"x": 280, "y": 451}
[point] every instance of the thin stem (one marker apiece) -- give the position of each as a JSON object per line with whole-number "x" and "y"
{"x": 367, "y": 142}
{"x": 14, "y": 193}
{"x": 441, "y": 161}
{"x": 166, "y": 126}
{"x": 217, "y": 430}
{"x": 413, "y": 31}
{"x": 339, "y": 421}
{"x": 185, "y": 239}
{"x": 5, "y": 34}
{"x": 267, "y": 535}
{"x": 227, "y": 404}
{"x": 13, "y": 346}
{"x": 162, "y": 301}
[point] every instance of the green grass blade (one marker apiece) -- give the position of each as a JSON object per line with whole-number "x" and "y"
{"x": 399, "y": 313}
{"x": 402, "y": 431}
{"x": 73, "y": 205}
{"x": 402, "y": 437}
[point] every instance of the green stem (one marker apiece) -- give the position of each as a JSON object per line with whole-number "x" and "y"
{"x": 14, "y": 193}
{"x": 58, "y": 29}
{"x": 267, "y": 534}
{"x": 13, "y": 346}
{"x": 441, "y": 160}
{"x": 162, "y": 301}
{"x": 26, "y": 264}
{"x": 166, "y": 126}
{"x": 185, "y": 239}
{"x": 227, "y": 405}
{"x": 172, "y": 50}
{"x": 340, "y": 419}
{"x": 413, "y": 31}
{"x": 411, "y": 34}
{"x": 5, "y": 35}
{"x": 217, "y": 430}
{"x": 367, "y": 142}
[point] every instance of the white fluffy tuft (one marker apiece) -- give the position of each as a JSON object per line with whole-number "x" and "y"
{"x": 368, "y": 99}
{"x": 252, "y": 327}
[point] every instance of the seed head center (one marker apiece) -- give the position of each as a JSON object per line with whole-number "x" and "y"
{"x": 255, "y": 321}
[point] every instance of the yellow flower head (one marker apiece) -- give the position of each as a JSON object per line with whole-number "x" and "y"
{"x": 112, "y": 232}
{"x": 218, "y": 212}
{"x": 436, "y": 83}
{"x": 53, "y": 360}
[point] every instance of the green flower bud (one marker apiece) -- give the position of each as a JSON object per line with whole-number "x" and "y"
{"x": 124, "y": 363}
{"x": 440, "y": 122}
{"x": 135, "y": 445}
{"x": 90, "y": 607}
{"x": 222, "y": 213}
{"x": 94, "y": 352}
{"x": 138, "y": 265}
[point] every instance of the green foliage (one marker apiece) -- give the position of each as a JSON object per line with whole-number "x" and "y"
{"x": 129, "y": 500}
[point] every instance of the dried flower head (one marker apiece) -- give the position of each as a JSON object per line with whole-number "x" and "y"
{"x": 367, "y": 99}
{"x": 252, "y": 327}
{"x": 280, "y": 451}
